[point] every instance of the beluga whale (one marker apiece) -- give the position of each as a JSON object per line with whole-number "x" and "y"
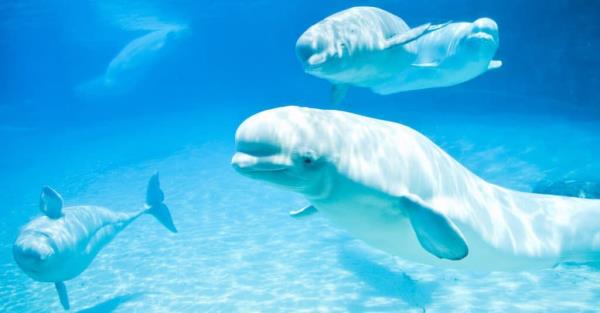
{"x": 396, "y": 190}
{"x": 131, "y": 64}
{"x": 61, "y": 244}
{"x": 372, "y": 48}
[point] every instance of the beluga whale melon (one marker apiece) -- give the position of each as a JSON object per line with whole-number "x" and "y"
{"x": 61, "y": 244}
{"x": 392, "y": 187}
{"x": 372, "y": 48}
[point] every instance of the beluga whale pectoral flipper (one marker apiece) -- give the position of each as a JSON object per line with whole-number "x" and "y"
{"x": 61, "y": 244}
{"x": 435, "y": 232}
{"x": 372, "y": 48}
{"x": 303, "y": 212}
{"x": 392, "y": 187}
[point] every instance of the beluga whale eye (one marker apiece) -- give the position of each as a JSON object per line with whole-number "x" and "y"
{"x": 306, "y": 158}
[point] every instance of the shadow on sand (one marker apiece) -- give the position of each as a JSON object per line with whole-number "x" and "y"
{"x": 385, "y": 283}
{"x": 112, "y": 304}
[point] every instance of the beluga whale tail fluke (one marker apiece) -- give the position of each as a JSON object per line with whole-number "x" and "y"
{"x": 372, "y": 48}
{"x": 392, "y": 187}
{"x": 63, "y": 242}
{"x": 156, "y": 207}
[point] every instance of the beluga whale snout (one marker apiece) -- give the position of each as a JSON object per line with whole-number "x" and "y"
{"x": 487, "y": 28}
{"x": 244, "y": 163}
{"x": 33, "y": 252}
{"x": 259, "y": 149}
{"x": 311, "y": 50}
{"x": 392, "y": 187}
{"x": 481, "y": 42}
{"x": 63, "y": 242}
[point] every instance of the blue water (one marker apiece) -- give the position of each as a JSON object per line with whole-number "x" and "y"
{"x": 176, "y": 109}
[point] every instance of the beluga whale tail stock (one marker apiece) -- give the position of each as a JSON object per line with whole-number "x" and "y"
{"x": 392, "y": 187}
{"x": 372, "y": 48}
{"x": 62, "y": 243}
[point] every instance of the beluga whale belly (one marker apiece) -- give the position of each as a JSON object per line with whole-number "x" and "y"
{"x": 372, "y": 48}
{"x": 396, "y": 190}
{"x": 61, "y": 244}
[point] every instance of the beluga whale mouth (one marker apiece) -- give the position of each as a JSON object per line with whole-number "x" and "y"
{"x": 279, "y": 169}
{"x": 313, "y": 49}
{"x": 256, "y": 156}
{"x": 482, "y": 35}
{"x": 247, "y": 163}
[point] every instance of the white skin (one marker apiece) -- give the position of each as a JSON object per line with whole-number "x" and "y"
{"x": 351, "y": 48}
{"x": 140, "y": 52}
{"x": 359, "y": 171}
{"x": 62, "y": 243}
{"x": 54, "y": 250}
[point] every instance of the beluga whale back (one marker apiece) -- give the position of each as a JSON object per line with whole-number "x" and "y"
{"x": 395, "y": 189}
{"x": 61, "y": 244}
{"x": 372, "y": 48}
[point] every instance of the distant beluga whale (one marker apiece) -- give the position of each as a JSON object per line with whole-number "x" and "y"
{"x": 140, "y": 52}
{"x": 61, "y": 244}
{"x": 134, "y": 60}
{"x": 372, "y": 48}
{"x": 392, "y": 187}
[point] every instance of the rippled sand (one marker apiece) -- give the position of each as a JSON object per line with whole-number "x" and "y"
{"x": 237, "y": 250}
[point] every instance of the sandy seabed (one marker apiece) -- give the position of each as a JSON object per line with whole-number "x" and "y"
{"x": 237, "y": 250}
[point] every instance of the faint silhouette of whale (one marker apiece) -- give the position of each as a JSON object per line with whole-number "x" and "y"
{"x": 129, "y": 65}
{"x": 62, "y": 243}
{"x": 369, "y": 47}
{"x": 395, "y": 189}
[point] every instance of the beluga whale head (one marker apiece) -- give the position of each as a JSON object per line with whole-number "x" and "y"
{"x": 282, "y": 147}
{"x": 35, "y": 249}
{"x": 334, "y": 46}
{"x": 320, "y": 50}
{"x": 34, "y": 253}
{"x": 482, "y": 38}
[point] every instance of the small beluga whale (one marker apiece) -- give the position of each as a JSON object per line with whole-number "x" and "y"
{"x": 392, "y": 187}
{"x": 61, "y": 244}
{"x": 372, "y": 48}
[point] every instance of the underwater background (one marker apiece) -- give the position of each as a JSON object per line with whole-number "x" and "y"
{"x": 95, "y": 96}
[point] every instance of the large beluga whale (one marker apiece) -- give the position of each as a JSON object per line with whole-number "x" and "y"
{"x": 392, "y": 187}
{"x": 61, "y": 244}
{"x": 372, "y": 48}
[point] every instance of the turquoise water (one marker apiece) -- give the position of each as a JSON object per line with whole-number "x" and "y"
{"x": 534, "y": 121}
{"x": 237, "y": 249}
